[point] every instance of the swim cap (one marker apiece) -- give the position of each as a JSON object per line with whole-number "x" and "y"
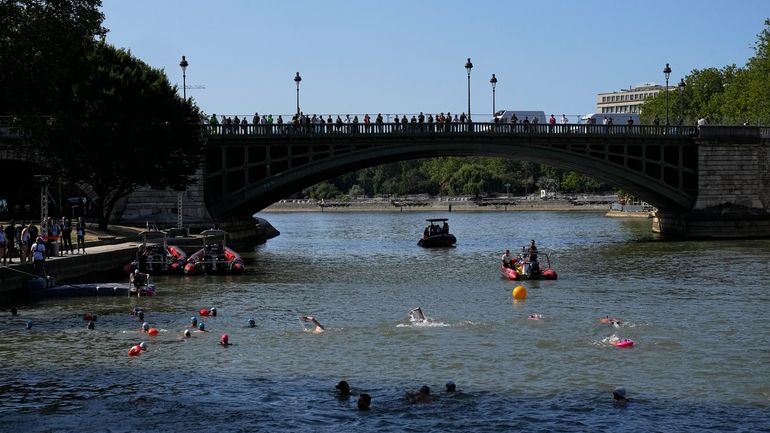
{"x": 450, "y": 386}
{"x": 145, "y": 326}
{"x": 29, "y": 324}
{"x": 141, "y": 315}
{"x": 213, "y": 311}
{"x": 425, "y": 390}
{"x": 90, "y": 325}
{"x": 252, "y": 323}
{"x": 186, "y": 332}
{"x": 225, "y": 339}
{"x": 194, "y": 321}
{"x": 201, "y": 326}
{"x": 619, "y": 393}
{"x": 143, "y": 345}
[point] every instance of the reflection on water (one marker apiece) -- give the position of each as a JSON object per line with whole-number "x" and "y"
{"x": 695, "y": 310}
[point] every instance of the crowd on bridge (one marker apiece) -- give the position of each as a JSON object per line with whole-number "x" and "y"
{"x": 301, "y": 123}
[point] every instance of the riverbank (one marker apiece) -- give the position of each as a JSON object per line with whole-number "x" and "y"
{"x": 436, "y": 205}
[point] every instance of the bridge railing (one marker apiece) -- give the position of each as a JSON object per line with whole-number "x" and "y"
{"x": 446, "y": 128}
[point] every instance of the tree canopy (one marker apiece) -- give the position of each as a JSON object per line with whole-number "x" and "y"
{"x": 728, "y": 95}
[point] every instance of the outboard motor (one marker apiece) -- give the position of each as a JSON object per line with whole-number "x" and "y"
{"x": 534, "y": 269}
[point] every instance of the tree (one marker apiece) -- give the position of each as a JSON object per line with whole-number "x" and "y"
{"x": 41, "y": 42}
{"x": 125, "y": 127}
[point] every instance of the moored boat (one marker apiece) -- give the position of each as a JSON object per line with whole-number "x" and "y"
{"x": 155, "y": 256}
{"x": 215, "y": 257}
{"x": 436, "y": 236}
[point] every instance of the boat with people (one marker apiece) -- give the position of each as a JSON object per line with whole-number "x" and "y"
{"x": 528, "y": 265}
{"x": 156, "y": 256}
{"x": 436, "y": 234}
{"x": 215, "y": 257}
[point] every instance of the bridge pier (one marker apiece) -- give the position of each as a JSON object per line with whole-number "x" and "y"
{"x": 733, "y": 188}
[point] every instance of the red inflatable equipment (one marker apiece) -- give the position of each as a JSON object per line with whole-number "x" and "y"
{"x": 152, "y": 331}
{"x": 134, "y": 350}
{"x": 204, "y": 312}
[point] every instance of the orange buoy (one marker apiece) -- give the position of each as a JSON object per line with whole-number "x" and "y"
{"x": 134, "y": 350}
{"x": 153, "y": 331}
{"x": 204, "y": 312}
{"x": 519, "y": 293}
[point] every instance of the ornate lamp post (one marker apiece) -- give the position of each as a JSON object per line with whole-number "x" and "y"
{"x": 297, "y": 79}
{"x": 682, "y": 85}
{"x": 183, "y": 64}
{"x": 667, "y": 73}
{"x": 493, "y": 81}
{"x": 180, "y": 194}
{"x": 507, "y": 189}
{"x": 468, "y": 67}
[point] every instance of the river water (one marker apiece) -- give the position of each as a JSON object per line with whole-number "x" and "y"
{"x": 698, "y": 312}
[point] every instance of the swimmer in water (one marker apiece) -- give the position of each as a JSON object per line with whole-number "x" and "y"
{"x": 421, "y": 396}
{"x": 535, "y": 316}
{"x": 213, "y": 312}
{"x": 201, "y": 327}
{"x": 619, "y": 396}
{"x": 145, "y": 327}
{"x": 88, "y": 317}
{"x": 143, "y": 346}
{"x": 343, "y": 389}
{"x": 364, "y": 401}
{"x": 416, "y": 315}
{"x": 91, "y": 325}
{"x": 607, "y": 320}
{"x": 194, "y": 322}
{"x": 451, "y": 387}
{"x": 186, "y": 334}
{"x": 224, "y": 340}
{"x": 318, "y": 327}
{"x": 252, "y": 323}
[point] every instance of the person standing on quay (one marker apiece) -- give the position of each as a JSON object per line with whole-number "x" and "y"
{"x": 66, "y": 230}
{"x": 80, "y": 234}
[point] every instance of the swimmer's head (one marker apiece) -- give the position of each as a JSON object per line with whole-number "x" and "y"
{"x": 29, "y": 324}
{"x": 451, "y": 387}
{"x": 143, "y": 345}
{"x": 186, "y": 332}
{"x": 145, "y": 326}
{"x": 202, "y": 326}
{"x": 140, "y": 315}
{"x": 425, "y": 390}
{"x": 224, "y": 339}
{"x": 91, "y": 325}
{"x": 14, "y": 311}
{"x": 213, "y": 311}
{"x": 343, "y": 387}
{"x": 252, "y": 323}
{"x": 194, "y": 321}
{"x": 619, "y": 393}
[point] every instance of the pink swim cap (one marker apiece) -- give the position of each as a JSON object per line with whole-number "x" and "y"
{"x": 224, "y": 339}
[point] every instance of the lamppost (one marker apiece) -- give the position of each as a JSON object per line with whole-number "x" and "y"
{"x": 183, "y": 64}
{"x": 493, "y": 81}
{"x": 507, "y": 189}
{"x": 667, "y": 73}
{"x": 297, "y": 79}
{"x": 180, "y": 194}
{"x": 468, "y": 67}
{"x": 681, "y": 100}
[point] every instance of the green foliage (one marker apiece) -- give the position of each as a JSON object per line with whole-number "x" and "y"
{"x": 41, "y": 44}
{"x": 730, "y": 95}
{"x": 125, "y": 127}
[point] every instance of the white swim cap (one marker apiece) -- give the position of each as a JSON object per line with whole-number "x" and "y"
{"x": 143, "y": 345}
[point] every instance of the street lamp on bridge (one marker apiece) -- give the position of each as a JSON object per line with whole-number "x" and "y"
{"x": 507, "y": 189}
{"x": 493, "y": 82}
{"x": 667, "y": 73}
{"x": 297, "y": 79}
{"x": 468, "y": 67}
{"x": 682, "y": 85}
{"x": 183, "y": 64}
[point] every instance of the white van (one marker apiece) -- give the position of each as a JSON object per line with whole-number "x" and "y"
{"x": 617, "y": 118}
{"x": 505, "y": 116}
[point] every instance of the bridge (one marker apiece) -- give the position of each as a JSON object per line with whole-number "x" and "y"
{"x": 712, "y": 181}
{"x": 708, "y": 181}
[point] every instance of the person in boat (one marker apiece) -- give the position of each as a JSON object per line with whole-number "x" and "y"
{"x": 532, "y": 251}
{"x": 445, "y": 228}
{"x": 318, "y": 327}
{"x": 426, "y": 233}
{"x": 507, "y": 259}
{"x": 530, "y": 257}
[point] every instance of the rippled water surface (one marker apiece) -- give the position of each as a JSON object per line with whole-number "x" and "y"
{"x": 698, "y": 312}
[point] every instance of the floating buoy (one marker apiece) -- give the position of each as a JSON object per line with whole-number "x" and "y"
{"x": 134, "y": 350}
{"x": 204, "y": 312}
{"x": 519, "y": 293}
{"x": 153, "y": 331}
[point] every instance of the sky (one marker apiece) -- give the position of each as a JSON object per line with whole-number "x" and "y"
{"x": 408, "y": 56}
